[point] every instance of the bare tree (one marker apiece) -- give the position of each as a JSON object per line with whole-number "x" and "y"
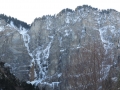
{"x": 83, "y": 72}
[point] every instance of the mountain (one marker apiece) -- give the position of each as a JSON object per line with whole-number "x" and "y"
{"x": 73, "y": 50}
{"x": 9, "y": 82}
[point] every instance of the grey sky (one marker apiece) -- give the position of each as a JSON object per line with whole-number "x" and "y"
{"x": 28, "y": 10}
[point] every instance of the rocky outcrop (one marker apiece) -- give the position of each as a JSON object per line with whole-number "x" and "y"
{"x": 13, "y": 50}
{"x": 65, "y": 51}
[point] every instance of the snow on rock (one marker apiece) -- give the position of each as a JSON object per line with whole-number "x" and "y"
{"x": 59, "y": 75}
{"x": 68, "y": 18}
{"x": 12, "y": 25}
{"x": 115, "y": 79}
{"x": 39, "y": 56}
{"x": 62, "y": 50}
{"x": 105, "y": 71}
{"x": 48, "y": 24}
{"x": 103, "y": 34}
{"x": 108, "y": 45}
{"x": 2, "y": 28}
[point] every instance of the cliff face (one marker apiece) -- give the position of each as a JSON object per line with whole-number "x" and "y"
{"x": 65, "y": 51}
{"x": 13, "y": 50}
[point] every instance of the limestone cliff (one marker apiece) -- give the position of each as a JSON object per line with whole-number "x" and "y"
{"x": 73, "y": 50}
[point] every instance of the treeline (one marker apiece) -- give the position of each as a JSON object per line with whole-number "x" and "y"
{"x": 16, "y": 22}
{"x": 84, "y": 7}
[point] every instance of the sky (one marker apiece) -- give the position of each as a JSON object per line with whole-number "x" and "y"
{"x": 28, "y": 10}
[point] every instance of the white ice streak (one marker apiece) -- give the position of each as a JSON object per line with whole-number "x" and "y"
{"x": 105, "y": 71}
{"x": 53, "y": 84}
{"x": 48, "y": 23}
{"x": 62, "y": 50}
{"x": 103, "y": 34}
{"x": 60, "y": 41}
{"x": 39, "y": 56}
{"x": 26, "y": 38}
{"x": 36, "y": 56}
{"x": 107, "y": 44}
{"x": 12, "y": 25}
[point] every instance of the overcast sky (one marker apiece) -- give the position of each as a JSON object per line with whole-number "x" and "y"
{"x": 28, "y": 10}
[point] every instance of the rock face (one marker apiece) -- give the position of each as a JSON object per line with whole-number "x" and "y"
{"x": 65, "y": 51}
{"x": 13, "y": 50}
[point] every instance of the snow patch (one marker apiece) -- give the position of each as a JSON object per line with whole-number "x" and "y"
{"x": 12, "y": 25}
{"x": 67, "y": 32}
{"x": 103, "y": 32}
{"x": 115, "y": 79}
{"x": 6, "y": 65}
{"x": 83, "y": 33}
{"x": 2, "y": 28}
{"x": 59, "y": 75}
{"x": 48, "y": 23}
{"x": 105, "y": 71}
{"x": 62, "y": 50}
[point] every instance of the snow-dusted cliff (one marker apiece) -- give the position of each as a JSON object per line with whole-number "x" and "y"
{"x": 73, "y": 50}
